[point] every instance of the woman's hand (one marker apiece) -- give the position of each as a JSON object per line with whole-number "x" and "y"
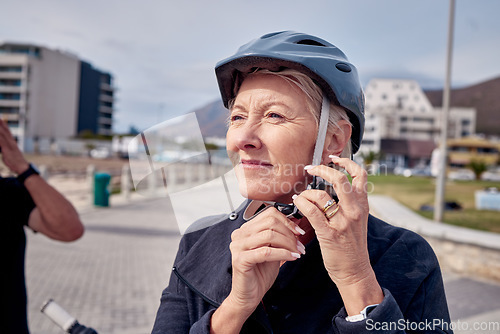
{"x": 258, "y": 247}
{"x": 343, "y": 236}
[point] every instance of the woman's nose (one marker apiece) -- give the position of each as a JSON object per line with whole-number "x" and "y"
{"x": 246, "y": 137}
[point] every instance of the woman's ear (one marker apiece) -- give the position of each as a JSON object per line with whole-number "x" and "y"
{"x": 336, "y": 141}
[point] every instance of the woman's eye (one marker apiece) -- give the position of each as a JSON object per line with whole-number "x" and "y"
{"x": 274, "y": 115}
{"x": 236, "y": 118}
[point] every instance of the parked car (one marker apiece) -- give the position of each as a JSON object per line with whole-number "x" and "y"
{"x": 417, "y": 171}
{"x": 100, "y": 153}
{"x": 462, "y": 175}
{"x": 491, "y": 176}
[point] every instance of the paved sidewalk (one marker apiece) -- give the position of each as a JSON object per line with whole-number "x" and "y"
{"x": 112, "y": 278}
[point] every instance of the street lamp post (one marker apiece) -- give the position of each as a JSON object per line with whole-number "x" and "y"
{"x": 443, "y": 149}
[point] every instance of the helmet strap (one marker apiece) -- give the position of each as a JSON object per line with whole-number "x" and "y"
{"x": 323, "y": 126}
{"x": 320, "y": 139}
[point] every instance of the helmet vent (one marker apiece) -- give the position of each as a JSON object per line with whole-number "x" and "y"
{"x": 310, "y": 42}
{"x": 271, "y": 34}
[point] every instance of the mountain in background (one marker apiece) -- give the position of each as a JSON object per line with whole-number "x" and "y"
{"x": 212, "y": 119}
{"x": 484, "y": 96}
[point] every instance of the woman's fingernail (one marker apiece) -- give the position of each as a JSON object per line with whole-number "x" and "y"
{"x": 301, "y": 231}
{"x": 309, "y": 167}
{"x": 301, "y": 248}
{"x": 297, "y": 255}
{"x": 334, "y": 156}
{"x": 295, "y": 196}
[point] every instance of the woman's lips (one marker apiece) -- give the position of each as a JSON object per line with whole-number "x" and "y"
{"x": 255, "y": 163}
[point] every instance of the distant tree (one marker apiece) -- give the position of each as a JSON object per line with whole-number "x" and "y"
{"x": 369, "y": 157}
{"x": 86, "y": 134}
{"x": 89, "y": 134}
{"x": 211, "y": 147}
{"x": 133, "y": 130}
{"x": 89, "y": 147}
{"x": 478, "y": 167}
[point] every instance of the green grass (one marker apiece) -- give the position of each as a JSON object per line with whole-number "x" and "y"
{"x": 414, "y": 192}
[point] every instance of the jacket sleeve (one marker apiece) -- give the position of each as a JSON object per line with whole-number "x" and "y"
{"x": 425, "y": 312}
{"x": 175, "y": 316}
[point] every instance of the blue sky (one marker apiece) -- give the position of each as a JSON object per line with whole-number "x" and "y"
{"x": 162, "y": 52}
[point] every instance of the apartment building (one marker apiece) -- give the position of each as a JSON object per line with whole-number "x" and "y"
{"x": 463, "y": 151}
{"x": 399, "y": 110}
{"x": 47, "y": 95}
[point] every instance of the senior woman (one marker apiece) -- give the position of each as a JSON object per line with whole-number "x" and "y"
{"x": 299, "y": 256}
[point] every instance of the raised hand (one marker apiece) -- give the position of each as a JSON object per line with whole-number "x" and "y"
{"x": 342, "y": 232}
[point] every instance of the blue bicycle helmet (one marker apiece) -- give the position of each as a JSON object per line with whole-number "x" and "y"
{"x": 322, "y": 61}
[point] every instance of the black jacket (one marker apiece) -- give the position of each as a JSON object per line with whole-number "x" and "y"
{"x": 303, "y": 298}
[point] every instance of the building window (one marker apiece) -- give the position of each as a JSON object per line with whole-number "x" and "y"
{"x": 11, "y": 68}
{"x": 457, "y": 165}
{"x": 105, "y": 115}
{"x": 465, "y": 122}
{"x": 424, "y": 119}
{"x": 10, "y": 82}
{"x": 107, "y": 104}
{"x": 384, "y": 96}
{"x": 459, "y": 149}
{"x": 403, "y": 119}
{"x": 9, "y": 110}
{"x": 10, "y": 96}
{"x": 367, "y": 142}
{"x": 487, "y": 150}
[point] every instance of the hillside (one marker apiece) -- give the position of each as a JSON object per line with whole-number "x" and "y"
{"x": 485, "y": 97}
{"x": 212, "y": 119}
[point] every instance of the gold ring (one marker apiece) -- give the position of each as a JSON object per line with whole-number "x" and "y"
{"x": 331, "y": 214}
{"x": 328, "y": 205}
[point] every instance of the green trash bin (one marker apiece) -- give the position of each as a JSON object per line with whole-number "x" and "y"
{"x": 101, "y": 189}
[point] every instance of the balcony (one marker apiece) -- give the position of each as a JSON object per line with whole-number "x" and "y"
{"x": 105, "y": 120}
{"x": 105, "y": 110}
{"x": 9, "y": 117}
{"x": 10, "y": 103}
{"x": 105, "y": 132}
{"x": 106, "y": 98}
{"x": 11, "y": 89}
{"x": 106, "y": 87}
{"x": 11, "y": 75}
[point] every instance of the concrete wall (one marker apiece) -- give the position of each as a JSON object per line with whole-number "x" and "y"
{"x": 465, "y": 258}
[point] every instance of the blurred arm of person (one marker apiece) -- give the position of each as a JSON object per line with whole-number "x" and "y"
{"x": 53, "y": 216}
